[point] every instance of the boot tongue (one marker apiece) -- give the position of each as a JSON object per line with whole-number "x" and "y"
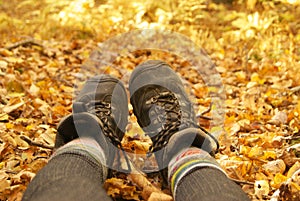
{"x": 79, "y": 107}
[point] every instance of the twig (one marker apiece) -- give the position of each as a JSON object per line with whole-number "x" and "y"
{"x": 30, "y": 41}
{"x": 202, "y": 114}
{"x": 295, "y": 137}
{"x": 140, "y": 179}
{"x": 38, "y": 144}
{"x": 241, "y": 182}
{"x": 204, "y": 117}
{"x": 295, "y": 146}
{"x": 295, "y": 89}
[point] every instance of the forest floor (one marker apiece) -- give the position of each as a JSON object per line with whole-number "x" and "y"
{"x": 45, "y": 50}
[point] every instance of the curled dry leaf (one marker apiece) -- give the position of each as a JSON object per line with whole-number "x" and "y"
{"x": 10, "y": 108}
{"x": 279, "y": 118}
{"x": 261, "y": 188}
{"x": 274, "y": 167}
{"x": 117, "y": 188}
{"x": 293, "y": 169}
{"x": 4, "y": 181}
{"x": 160, "y": 197}
{"x": 147, "y": 188}
{"x": 27, "y": 175}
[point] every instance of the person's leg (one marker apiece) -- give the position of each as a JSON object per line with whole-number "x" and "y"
{"x": 194, "y": 175}
{"x": 86, "y": 143}
{"x": 208, "y": 184}
{"x": 74, "y": 173}
{"x": 183, "y": 150}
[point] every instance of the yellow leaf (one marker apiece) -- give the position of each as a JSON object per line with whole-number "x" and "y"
{"x": 251, "y": 4}
{"x": 34, "y": 90}
{"x": 261, "y": 188}
{"x": 269, "y": 155}
{"x": 260, "y": 176}
{"x": 9, "y": 125}
{"x": 255, "y": 152}
{"x": 29, "y": 127}
{"x": 255, "y": 78}
{"x": 4, "y": 117}
{"x": 67, "y": 89}
{"x": 295, "y": 186}
{"x": 11, "y": 108}
{"x": 293, "y": 169}
{"x": 5, "y": 52}
{"x": 278, "y": 180}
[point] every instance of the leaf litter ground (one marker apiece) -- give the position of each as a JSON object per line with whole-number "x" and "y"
{"x": 257, "y": 55}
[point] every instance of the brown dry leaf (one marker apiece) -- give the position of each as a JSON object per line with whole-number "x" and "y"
{"x": 137, "y": 146}
{"x": 160, "y": 197}
{"x": 116, "y": 187}
{"x": 256, "y": 53}
{"x": 5, "y": 182}
{"x": 10, "y": 108}
{"x": 236, "y": 167}
{"x": 21, "y": 143}
{"x": 34, "y": 90}
{"x": 274, "y": 167}
{"x": 143, "y": 183}
{"x": 27, "y": 175}
{"x": 279, "y": 118}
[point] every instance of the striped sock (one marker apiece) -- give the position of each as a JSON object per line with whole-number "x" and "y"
{"x": 87, "y": 147}
{"x": 186, "y": 161}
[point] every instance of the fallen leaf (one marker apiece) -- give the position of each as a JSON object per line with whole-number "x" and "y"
{"x": 4, "y": 117}
{"x": 116, "y": 187}
{"x": 278, "y": 180}
{"x": 160, "y": 197}
{"x": 4, "y": 181}
{"x": 261, "y": 188}
{"x": 293, "y": 169}
{"x": 10, "y": 108}
{"x": 274, "y": 167}
{"x": 279, "y": 118}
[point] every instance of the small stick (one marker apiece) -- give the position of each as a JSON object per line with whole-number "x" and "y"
{"x": 202, "y": 114}
{"x": 38, "y": 144}
{"x": 204, "y": 117}
{"x": 30, "y": 41}
{"x": 208, "y": 110}
{"x": 241, "y": 182}
{"x": 140, "y": 179}
{"x": 295, "y": 89}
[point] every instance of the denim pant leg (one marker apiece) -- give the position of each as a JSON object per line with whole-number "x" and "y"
{"x": 69, "y": 176}
{"x": 208, "y": 184}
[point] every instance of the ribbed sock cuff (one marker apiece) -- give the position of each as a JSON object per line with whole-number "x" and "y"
{"x": 87, "y": 147}
{"x": 186, "y": 161}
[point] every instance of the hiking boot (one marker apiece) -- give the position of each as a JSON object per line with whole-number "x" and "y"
{"x": 165, "y": 113}
{"x": 100, "y": 111}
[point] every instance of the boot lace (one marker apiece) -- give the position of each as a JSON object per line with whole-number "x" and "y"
{"x": 103, "y": 110}
{"x": 174, "y": 118}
